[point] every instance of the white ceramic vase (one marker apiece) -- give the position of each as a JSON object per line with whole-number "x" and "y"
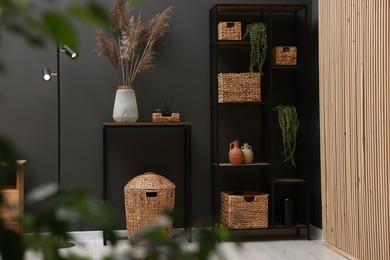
{"x": 248, "y": 153}
{"x": 125, "y": 106}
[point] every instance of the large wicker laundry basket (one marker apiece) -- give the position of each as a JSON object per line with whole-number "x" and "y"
{"x": 147, "y": 196}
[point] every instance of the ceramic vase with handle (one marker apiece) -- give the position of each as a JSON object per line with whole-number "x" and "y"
{"x": 125, "y": 105}
{"x": 248, "y": 153}
{"x": 236, "y": 155}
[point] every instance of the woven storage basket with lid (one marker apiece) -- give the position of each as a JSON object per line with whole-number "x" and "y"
{"x": 147, "y": 196}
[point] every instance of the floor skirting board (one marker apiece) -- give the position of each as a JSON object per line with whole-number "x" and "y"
{"x": 315, "y": 233}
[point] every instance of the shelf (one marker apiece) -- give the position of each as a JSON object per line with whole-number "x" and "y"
{"x": 281, "y": 84}
{"x": 141, "y": 124}
{"x": 276, "y": 225}
{"x": 286, "y": 67}
{"x": 233, "y": 43}
{"x": 287, "y": 180}
{"x": 257, "y": 8}
{"x": 262, "y": 164}
{"x": 241, "y": 103}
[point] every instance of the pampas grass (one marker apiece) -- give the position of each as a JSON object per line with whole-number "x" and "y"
{"x": 132, "y": 50}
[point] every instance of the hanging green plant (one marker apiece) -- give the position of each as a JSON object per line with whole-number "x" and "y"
{"x": 289, "y": 124}
{"x": 257, "y": 33}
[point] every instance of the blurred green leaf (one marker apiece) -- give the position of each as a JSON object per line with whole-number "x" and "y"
{"x": 6, "y": 4}
{"x": 93, "y": 13}
{"x": 60, "y": 29}
{"x": 33, "y": 39}
{"x": 11, "y": 244}
{"x": 23, "y": 2}
{"x": 3, "y": 68}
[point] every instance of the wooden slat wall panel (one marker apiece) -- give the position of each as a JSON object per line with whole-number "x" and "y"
{"x": 355, "y": 126}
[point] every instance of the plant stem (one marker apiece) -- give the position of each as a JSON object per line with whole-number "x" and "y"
{"x": 121, "y": 59}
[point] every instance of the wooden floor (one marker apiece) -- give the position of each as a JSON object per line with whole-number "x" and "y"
{"x": 262, "y": 248}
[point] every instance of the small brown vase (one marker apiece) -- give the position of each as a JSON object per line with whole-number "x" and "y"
{"x": 236, "y": 155}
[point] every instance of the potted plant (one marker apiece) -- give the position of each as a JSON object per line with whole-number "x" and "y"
{"x": 130, "y": 52}
{"x": 289, "y": 125}
{"x": 257, "y": 33}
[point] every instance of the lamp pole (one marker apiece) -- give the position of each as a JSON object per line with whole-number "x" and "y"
{"x": 46, "y": 76}
{"x": 58, "y": 118}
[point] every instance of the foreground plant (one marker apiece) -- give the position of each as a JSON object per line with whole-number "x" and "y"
{"x": 48, "y": 226}
{"x": 153, "y": 243}
{"x": 56, "y": 212}
{"x": 132, "y": 48}
{"x": 38, "y": 22}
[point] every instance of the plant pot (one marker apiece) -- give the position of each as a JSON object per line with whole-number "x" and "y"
{"x": 125, "y": 106}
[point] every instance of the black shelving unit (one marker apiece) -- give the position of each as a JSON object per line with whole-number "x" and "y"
{"x": 256, "y": 122}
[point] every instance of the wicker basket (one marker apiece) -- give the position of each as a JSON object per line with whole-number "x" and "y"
{"x": 159, "y": 118}
{"x": 284, "y": 55}
{"x": 229, "y": 31}
{"x": 147, "y": 196}
{"x": 238, "y": 87}
{"x": 244, "y": 209}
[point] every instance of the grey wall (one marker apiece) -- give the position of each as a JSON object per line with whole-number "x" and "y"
{"x": 28, "y": 106}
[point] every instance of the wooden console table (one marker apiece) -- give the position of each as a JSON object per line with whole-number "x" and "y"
{"x": 186, "y": 126}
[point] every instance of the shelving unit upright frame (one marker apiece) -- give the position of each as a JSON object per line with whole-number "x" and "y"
{"x": 268, "y": 174}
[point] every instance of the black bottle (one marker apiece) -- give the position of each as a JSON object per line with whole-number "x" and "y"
{"x": 287, "y": 211}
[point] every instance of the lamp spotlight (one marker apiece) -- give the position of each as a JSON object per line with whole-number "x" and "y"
{"x": 46, "y": 74}
{"x": 71, "y": 53}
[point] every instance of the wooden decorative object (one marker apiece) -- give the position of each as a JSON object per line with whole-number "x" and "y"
{"x": 239, "y": 87}
{"x": 229, "y": 31}
{"x": 284, "y": 55}
{"x": 245, "y": 209}
{"x": 159, "y": 118}
{"x": 147, "y": 196}
{"x": 13, "y": 195}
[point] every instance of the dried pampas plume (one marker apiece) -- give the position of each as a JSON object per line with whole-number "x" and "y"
{"x": 133, "y": 49}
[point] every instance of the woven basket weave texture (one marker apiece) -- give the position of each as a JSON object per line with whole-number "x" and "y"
{"x": 229, "y": 31}
{"x": 147, "y": 196}
{"x": 247, "y": 209}
{"x": 239, "y": 87}
{"x": 284, "y": 55}
{"x": 159, "y": 118}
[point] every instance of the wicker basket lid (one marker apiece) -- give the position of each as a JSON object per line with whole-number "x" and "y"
{"x": 150, "y": 181}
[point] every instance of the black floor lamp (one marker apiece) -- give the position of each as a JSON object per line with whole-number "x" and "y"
{"x": 46, "y": 76}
